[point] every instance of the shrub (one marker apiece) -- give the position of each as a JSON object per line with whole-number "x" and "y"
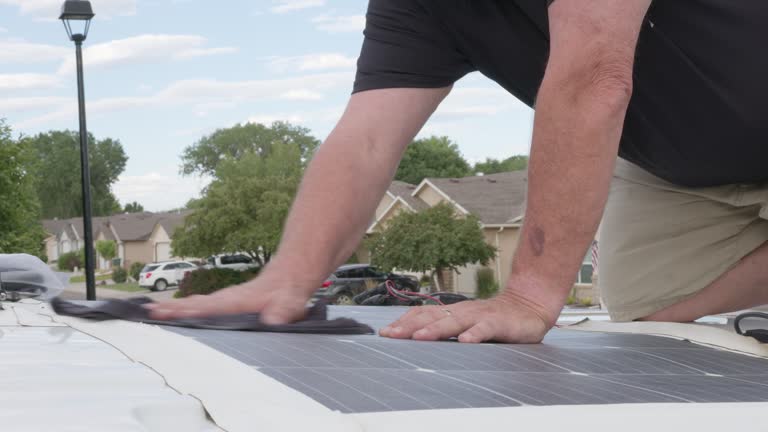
{"x": 207, "y": 281}
{"x": 136, "y": 270}
{"x": 487, "y": 286}
{"x": 119, "y": 275}
{"x": 425, "y": 280}
{"x": 69, "y": 260}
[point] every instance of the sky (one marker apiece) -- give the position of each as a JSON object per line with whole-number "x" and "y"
{"x": 161, "y": 74}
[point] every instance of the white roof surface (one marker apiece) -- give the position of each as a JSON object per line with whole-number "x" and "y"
{"x": 60, "y": 379}
{"x": 66, "y": 374}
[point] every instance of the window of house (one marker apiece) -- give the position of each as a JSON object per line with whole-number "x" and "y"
{"x": 585, "y": 272}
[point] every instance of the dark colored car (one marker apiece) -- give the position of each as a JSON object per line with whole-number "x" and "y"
{"x": 352, "y": 279}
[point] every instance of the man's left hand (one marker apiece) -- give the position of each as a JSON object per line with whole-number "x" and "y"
{"x": 502, "y": 319}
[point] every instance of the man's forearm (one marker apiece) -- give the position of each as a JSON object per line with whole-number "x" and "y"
{"x": 347, "y": 178}
{"x": 341, "y": 188}
{"x": 577, "y": 130}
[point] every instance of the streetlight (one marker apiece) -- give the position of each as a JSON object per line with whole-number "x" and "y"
{"x": 74, "y": 11}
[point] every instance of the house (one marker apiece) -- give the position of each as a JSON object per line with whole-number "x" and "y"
{"x": 497, "y": 200}
{"x": 139, "y": 237}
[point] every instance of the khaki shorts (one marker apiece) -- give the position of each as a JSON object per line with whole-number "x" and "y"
{"x": 661, "y": 243}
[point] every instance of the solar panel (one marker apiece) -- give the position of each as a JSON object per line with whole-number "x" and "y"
{"x": 366, "y": 373}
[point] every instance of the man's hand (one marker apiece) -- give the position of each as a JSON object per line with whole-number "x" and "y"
{"x": 507, "y": 319}
{"x": 279, "y": 298}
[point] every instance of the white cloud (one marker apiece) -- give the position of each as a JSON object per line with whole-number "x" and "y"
{"x": 326, "y": 116}
{"x": 144, "y": 48}
{"x": 50, "y": 9}
{"x": 26, "y": 81}
{"x": 340, "y": 23}
{"x": 152, "y": 189}
{"x": 470, "y": 102}
{"x": 284, "y": 6}
{"x": 206, "y": 94}
{"x": 268, "y": 119}
{"x": 22, "y": 104}
{"x": 203, "y": 52}
{"x": 194, "y": 131}
{"x": 15, "y": 51}
{"x": 312, "y": 62}
{"x": 3, "y": 30}
{"x": 301, "y": 95}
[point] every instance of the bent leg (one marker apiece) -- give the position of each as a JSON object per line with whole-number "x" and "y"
{"x": 675, "y": 254}
{"x": 742, "y": 287}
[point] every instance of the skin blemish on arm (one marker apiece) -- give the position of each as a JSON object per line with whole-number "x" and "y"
{"x": 537, "y": 239}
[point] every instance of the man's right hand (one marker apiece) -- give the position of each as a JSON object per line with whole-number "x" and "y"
{"x": 278, "y": 297}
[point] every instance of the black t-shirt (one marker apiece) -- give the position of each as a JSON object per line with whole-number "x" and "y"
{"x": 698, "y": 113}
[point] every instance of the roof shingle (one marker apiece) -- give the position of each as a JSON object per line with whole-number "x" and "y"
{"x": 495, "y": 198}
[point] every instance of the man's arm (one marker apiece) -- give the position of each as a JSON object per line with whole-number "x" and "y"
{"x": 579, "y": 118}
{"x": 343, "y": 184}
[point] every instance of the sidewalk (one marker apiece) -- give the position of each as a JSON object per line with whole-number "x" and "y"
{"x": 76, "y": 291}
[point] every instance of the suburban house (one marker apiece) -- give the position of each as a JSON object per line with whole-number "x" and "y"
{"x": 497, "y": 200}
{"x": 140, "y": 237}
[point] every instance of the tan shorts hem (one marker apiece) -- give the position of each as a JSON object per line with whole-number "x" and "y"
{"x": 632, "y": 313}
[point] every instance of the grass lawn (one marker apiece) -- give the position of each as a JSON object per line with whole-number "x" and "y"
{"x": 128, "y": 286}
{"x": 76, "y": 279}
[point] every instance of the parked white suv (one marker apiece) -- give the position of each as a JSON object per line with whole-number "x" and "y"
{"x": 159, "y": 276}
{"x": 239, "y": 262}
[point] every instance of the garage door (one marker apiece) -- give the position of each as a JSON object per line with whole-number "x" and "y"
{"x": 162, "y": 251}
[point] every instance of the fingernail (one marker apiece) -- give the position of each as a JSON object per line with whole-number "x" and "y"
{"x": 421, "y": 332}
{"x": 397, "y": 330}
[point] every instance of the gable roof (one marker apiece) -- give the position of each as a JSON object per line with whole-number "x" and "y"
{"x": 405, "y": 191}
{"x": 128, "y": 227}
{"x": 133, "y": 226}
{"x": 495, "y": 198}
{"x": 173, "y": 220}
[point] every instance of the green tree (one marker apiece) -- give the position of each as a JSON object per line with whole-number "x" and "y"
{"x": 205, "y": 156}
{"x": 107, "y": 249}
{"x": 493, "y": 166}
{"x": 57, "y": 166}
{"x": 432, "y": 157}
{"x": 244, "y": 207}
{"x": 20, "y": 229}
{"x": 133, "y": 207}
{"x": 430, "y": 241}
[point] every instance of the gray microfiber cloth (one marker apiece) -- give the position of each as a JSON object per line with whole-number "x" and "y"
{"x": 315, "y": 321}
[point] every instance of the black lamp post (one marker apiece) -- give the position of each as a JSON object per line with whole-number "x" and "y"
{"x": 74, "y": 11}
